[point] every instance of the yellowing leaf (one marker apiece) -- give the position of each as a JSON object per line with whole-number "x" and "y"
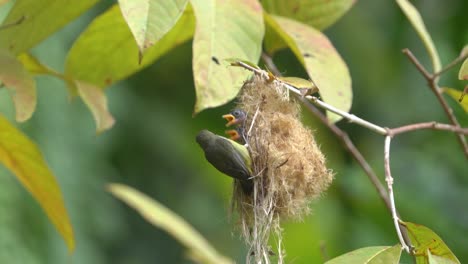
{"x": 93, "y": 96}
{"x": 96, "y": 101}
{"x": 22, "y": 157}
{"x": 463, "y": 73}
{"x": 21, "y": 85}
{"x": 415, "y": 18}
{"x": 319, "y": 14}
{"x": 160, "y": 216}
{"x": 322, "y": 62}
{"x": 33, "y": 65}
{"x": 425, "y": 240}
{"x": 370, "y": 255}
{"x": 433, "y": 259}
{"x": 105, "y": 52}
{"x": 41, "y": 18}
{"x": 457, "y": 95}
{"x": 224, "y": 29}
{"x": 150, "y": 20}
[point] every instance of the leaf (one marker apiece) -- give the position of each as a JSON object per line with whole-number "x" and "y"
{"x": 41, "y": 19}
{"x": 105, "y": 52}
{"x": 34, "y": 66}
{"x": 457, "y": 95}
{"x": 20, "y": 83}
{"x": 225, "y": 29}
{"x": 22, "y": 157}
{"x": 463, "y": 73}
{"x": 424, "y": 240}
{"x": 370, "y": 255}
{"x": 161, "y": 217}
{"x": 319, "y": 14}
{"x": 96, "y": 101}
{"x": 415, "y": 19}
{"x": 464, "y": 51}
{"x": 150, "y": 20}
{"x": 432, "y": 259}
{"x": 93, "y": 96}
{"x": 322, "y": 62}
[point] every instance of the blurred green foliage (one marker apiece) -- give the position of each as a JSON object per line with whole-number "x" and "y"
{"x": 152, "y": 148}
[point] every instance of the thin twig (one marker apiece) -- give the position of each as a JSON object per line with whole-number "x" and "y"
{"x": 389, "y": 180}
{"x": 350, "y": 117}
{"x": 270, "y": 64}
{"x": 418, "y": 65}
{"x": 428, "y": 125}
{"x": 459, "y": 59}
{"x": 432, "y": 83}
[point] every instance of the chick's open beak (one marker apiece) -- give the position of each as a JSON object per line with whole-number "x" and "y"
{"x": 231, "y": 119}
{"x": 233, "y": 134}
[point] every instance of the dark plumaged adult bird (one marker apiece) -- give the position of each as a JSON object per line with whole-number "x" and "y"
{"x": 227, "y": 156}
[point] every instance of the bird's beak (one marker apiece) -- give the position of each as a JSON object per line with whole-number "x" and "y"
{"x": 233, "y": 134}
{"x": 231, "y": 119}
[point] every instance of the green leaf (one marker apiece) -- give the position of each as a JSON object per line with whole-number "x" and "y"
{"x": 463, "y": 73}
{"x": 415, "y": 19}
{"x": 22, "y": 157}
{"x": 322, "y": 62}
{"x": 457, "y": 96}
{"x": 105, "y": 52}
{"x": 370, "y": 255}
{"x": 20, "y": 83}
{"x": 225, "y": 29}
{"x": 425, "y": 240}
{"x": 96, "y": 101}
{"x": 319, "y": 14}
{"x": 150, "y": 20}
{"x": 161, "y": 217}
{"x": 41, "y": 19}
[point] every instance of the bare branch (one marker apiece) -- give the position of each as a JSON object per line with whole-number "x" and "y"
{"x": 432, "y": 83}
{"x": 389, "y": 180}
{"x": 459, "y": 59}
{"x": 428, "y": 125}
{"x": 418, "y": 65}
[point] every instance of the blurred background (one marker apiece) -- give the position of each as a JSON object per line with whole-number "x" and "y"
{"x": 152, "y": 148}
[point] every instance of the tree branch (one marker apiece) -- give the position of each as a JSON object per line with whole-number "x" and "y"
{"x": 432, "y": 83}
{"x": 389, "y": 180}
{"x": 428, "y": 125}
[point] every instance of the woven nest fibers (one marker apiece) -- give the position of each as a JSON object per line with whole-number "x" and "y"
{"x": 288, "y": 167}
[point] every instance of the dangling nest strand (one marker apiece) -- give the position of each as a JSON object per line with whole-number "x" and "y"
{"x": 288, "y": 167}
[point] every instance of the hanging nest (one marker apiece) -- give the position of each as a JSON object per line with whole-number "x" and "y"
{"x": 288, "y": 167}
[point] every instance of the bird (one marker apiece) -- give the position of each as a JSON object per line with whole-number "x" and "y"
{"x": 236, "y": 117}
{"x": 227, "y": 156}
